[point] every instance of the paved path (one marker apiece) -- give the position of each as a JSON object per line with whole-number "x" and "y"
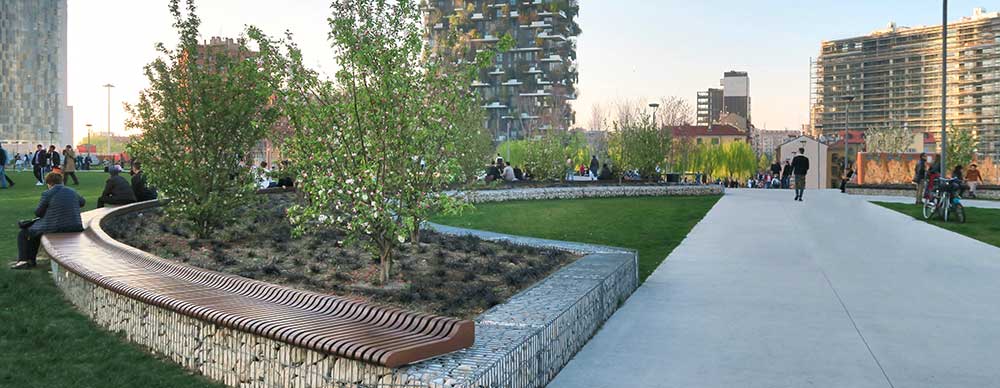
{"x": 831, "y": 292}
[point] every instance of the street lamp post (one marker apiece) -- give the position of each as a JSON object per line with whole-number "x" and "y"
{"x": 89, "y": 127}
{"x": 655, "y": 106}
{"x": 109, "y": 86}
{"x": 847, "y": 128}
{"x": 944, "y": 86}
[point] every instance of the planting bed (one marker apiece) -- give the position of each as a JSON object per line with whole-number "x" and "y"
{"x": 459, "y": 276}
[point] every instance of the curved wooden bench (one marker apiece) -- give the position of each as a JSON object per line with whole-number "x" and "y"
{"x": 346, "y": 327}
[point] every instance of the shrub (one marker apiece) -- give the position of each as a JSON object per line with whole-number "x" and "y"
{"x": 202, "y": 113}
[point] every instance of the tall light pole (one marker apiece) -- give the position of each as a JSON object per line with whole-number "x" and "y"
{"x": 944, "y": 87}
{"x": 109, "y": 86}
{"x": 655, "y": 106}
{"x": 847, "y": 127}
{"x": 89, "y": 127}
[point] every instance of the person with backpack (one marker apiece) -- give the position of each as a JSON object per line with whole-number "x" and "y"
{"x": 800, "y": 167}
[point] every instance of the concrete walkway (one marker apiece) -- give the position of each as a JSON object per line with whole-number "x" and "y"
{"x": 831, "y": 292}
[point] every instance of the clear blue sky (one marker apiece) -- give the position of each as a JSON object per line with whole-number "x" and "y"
{"x": 630, "y": 49}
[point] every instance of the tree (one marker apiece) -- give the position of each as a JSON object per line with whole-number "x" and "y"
{"x": 674, "y": 111}
{"x": 961, "y": 146}
{"x": 374, "y": 146}
{"x": 200, "y": 115}
{"x": 598, "y": 118}
{"x": 637, "y": 143}
{"x": 888, "y": 139}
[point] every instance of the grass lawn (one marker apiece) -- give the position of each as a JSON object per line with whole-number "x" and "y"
{"x": 653, "y": 226}
{"x": 981, "y": 224}
{"x": 44, "y": 342}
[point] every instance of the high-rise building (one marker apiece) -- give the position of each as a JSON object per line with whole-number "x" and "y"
{"x": 736, "y": 94}
{"x": 892, "y": 77}
{"x": 33, "y": 82}
{"x": 709, "y": 106}
{"x": 528, "y": 90}
{"x": 732, "y": 102}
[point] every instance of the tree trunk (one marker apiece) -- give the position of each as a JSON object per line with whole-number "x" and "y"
{"x": 385, "y": 258}
{"x": 415, "y": 233}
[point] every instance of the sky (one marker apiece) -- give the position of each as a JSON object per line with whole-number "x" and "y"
{"x": 629, "y": 49}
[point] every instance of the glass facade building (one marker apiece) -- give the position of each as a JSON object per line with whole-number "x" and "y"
{"x": 33, "y": 106}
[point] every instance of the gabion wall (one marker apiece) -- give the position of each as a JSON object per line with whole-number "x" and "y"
{"x": 521, "y": 343}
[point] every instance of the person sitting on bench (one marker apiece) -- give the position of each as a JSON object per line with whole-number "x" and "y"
{"x": 58, "y": 211}
{"x": 117, "y": 191}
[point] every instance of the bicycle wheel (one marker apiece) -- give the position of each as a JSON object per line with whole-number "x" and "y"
{"x": 959, "y": 211}
{"x": 929, "y": 209}
{"x": 945, "y": 205}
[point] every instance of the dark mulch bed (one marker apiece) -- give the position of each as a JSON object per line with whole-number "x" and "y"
{"x": 445, "y": 275}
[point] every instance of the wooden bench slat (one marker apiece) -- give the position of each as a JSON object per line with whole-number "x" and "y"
{"x": 342, "y": 326}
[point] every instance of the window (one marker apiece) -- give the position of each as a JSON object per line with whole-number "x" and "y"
{"x": 698, "y": 140}
{"x": 715, "y": 141}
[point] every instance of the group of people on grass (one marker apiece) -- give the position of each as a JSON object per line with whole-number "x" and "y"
{"x": 926, "y": 174}
{"x": 58, "y": 210}
{"x": 501, "y": 170}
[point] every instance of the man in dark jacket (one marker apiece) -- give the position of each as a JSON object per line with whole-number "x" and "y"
{"x": 139, "y": 187}
{"x": 39, "y": 161}
{"x": 775, "y": 169}
{"x": 58, "y": 212}
{"x": 800, "y": 167}
{"x": 55, "y": 160}
{"x": 786, "y": 175}
{"x": 920, "y": 178}
{"x": 117, "y": 191}
{"x": 595, "y": 166}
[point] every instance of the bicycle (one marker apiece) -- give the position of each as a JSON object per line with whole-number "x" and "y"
{"x": 945, "y": 201}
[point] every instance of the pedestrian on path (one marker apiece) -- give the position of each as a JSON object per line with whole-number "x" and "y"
{"x": 800, "y": 167}
{"x": 973, "y": 178}
{"x": 920, "y": 178}
{"x": 846, "y": 178}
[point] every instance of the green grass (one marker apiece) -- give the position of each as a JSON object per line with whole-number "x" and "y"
{"x": 981, "y": 224}
{"x": 653, "y": 226}
{"x": 44, "y": 342}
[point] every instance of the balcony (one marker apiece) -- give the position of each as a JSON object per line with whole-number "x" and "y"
{"x": 480, "y": 84}
{"x": 537, "y": 93}
{"x": 553, "y": 58}
{"x": 512, "y": 82}
{"x": 477, "y": 16}
{"x": 495, "y": 105}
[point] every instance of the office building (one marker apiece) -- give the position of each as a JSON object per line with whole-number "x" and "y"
{"x": 33, "y": 84}
{"x": 736, "y": 95}
{"x": 728, "y": 105}
{"x": 527, "y": 92}
{"x": 893, "y": 77}
{"x": 709, "y": 106}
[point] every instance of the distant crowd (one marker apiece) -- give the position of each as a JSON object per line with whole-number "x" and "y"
{"x": 58, "y": 209}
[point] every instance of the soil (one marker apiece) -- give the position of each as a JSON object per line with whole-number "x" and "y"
{"x": 444, "y": 275}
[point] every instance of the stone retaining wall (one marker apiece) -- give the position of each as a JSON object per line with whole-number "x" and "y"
{"x": 524, "y": 342}
{"x": 483, "y": 196}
